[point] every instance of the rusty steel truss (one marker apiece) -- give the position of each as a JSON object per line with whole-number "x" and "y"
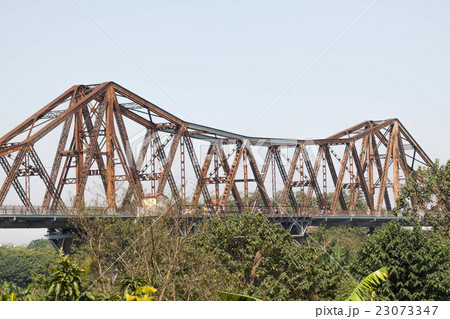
{"x": 366, "y": 163}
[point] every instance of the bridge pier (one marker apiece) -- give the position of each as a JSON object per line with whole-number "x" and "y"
{"x": 61, "y": 239}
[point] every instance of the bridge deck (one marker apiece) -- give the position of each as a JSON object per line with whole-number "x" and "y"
{"x": 18, "y": 217}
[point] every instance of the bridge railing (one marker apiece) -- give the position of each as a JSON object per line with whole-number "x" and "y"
{"x": 39, "y": 211}
{"x": 298, "y": 214}
{"x": 201, "y": 212}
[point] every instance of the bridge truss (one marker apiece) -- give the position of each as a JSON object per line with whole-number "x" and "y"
{"x": 366, "y": 163}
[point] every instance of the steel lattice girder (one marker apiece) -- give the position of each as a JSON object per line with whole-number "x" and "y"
{"x": 93, "y": 122}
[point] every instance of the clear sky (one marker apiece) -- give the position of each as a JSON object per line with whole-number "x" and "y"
{"x": 225, "y": 62}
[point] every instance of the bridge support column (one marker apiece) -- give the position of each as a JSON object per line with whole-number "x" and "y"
{"x": 61, "y": 239}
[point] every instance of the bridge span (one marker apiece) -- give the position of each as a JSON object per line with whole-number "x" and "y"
{"x": 105, "y": 134}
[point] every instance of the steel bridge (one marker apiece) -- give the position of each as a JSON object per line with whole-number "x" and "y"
{"x": 105, "y": 132}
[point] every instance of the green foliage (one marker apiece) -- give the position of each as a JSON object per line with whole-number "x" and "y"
{"x": 18, "y": 264}
{"x": 8, "y": 291}
{"x": 427, "y": 194}
{"x": 366, "y": 288}
{"x": 39, "y": 243}
{"x": 130, "y": 285}
{"x": 142, "y": 294}
{"x": 160, "y": 256}
{"x": 11, "y": 292}
{"x": 418, "y": 262}
{"x": 261, "y": 259}
{"x": 227, "y": 296}
{"x": 64, "y": 281}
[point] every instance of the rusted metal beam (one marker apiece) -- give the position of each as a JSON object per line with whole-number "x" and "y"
{"x": 110, "y": 165}
{"x": 263, "y": 174}
{"x": 354, "y": 195}
{"x": 49, "y": 185}
{"x": 57, "y": 160}
{"x": 17, "y": 186}
{"x": 78, "y": 148}
{"x": 198, "y": 171}
{"x": 260, "y": 177}
{"x": 287, "y": 179}
{"x": 92, "y": 149}
{"x": 12, "y": 173}
{"x": 395, "y": 160}
{"x": 231, "y": 176}
{"x": 161, "y": 154}
{"x": 168, "y": 163}
{"x": 413, "y": 142}
{"x": 362, "y": 180}
{"x": 99, "y": 90}
{"x": 313, "y": 176}
{"x": 337, "y": 188}
{"x": 369, "y": 164}
{"x": 148, "y": 105}
{"x": 29, "y": 121}
{"x": 340, "y": 179}
{"x": 140, "y": 161}
{"x": 96, "y": 148}
{"x": 134, "y": 175}
{"x": 384, "y": 176}
{"x": 245, "y": 165}
{"x": 202, "y": 176}
{"x": 380, "y": 173}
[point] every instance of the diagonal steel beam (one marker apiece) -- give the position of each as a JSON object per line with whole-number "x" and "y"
{"x": 94, "y": 94}
{"x": 92, "y": 147}
{"x": 287, "y": 179}
{"x": 50, "y": 186}
{"x": 12, "y": 173}
{"x": 384, "y": 175}
{"x": 140, "y": 161}
{"x": 263, "y": 174}
{"x": 231, "y": 172}
{"x": 337, "y": 181}
{"x": 313, "y": 176}
{"x": 395, "y": 162}
{"x": 61, "y": 145}
{"x": 414, "y": 143}
{"x": 379, "y": 166}
{"x": 96, "y": 148}
{"x": 168, "y": 164}
{"x": 17, "y": 186}
{"x": 362, "y": 180}
{"x": 161, "y": 154}
{"x": 24, "y": 125}
{"x": 197, "y": 170}
{"x": 340, "y": 179}
{"x": 402, "y": 157}
{"x": 355, "y": 191}
{"x": 201, "y": 177}
{"x": 259, "y": 177}
{"x": 134, "y": 175}
{"x": 57, "y": 160}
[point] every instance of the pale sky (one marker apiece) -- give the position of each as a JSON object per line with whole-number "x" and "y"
{"x": 225, "y": 62}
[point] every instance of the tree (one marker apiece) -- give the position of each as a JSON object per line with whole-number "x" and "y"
{"x": 426, "y": 194}
{"x": 418, "y": 262}
{"x": 64, "y": 281}
{"x": 39, "y": 243}
{"x": 160, "y": 253}
{"x": 261, "y": 259}
{"x": 18, "y": 264}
